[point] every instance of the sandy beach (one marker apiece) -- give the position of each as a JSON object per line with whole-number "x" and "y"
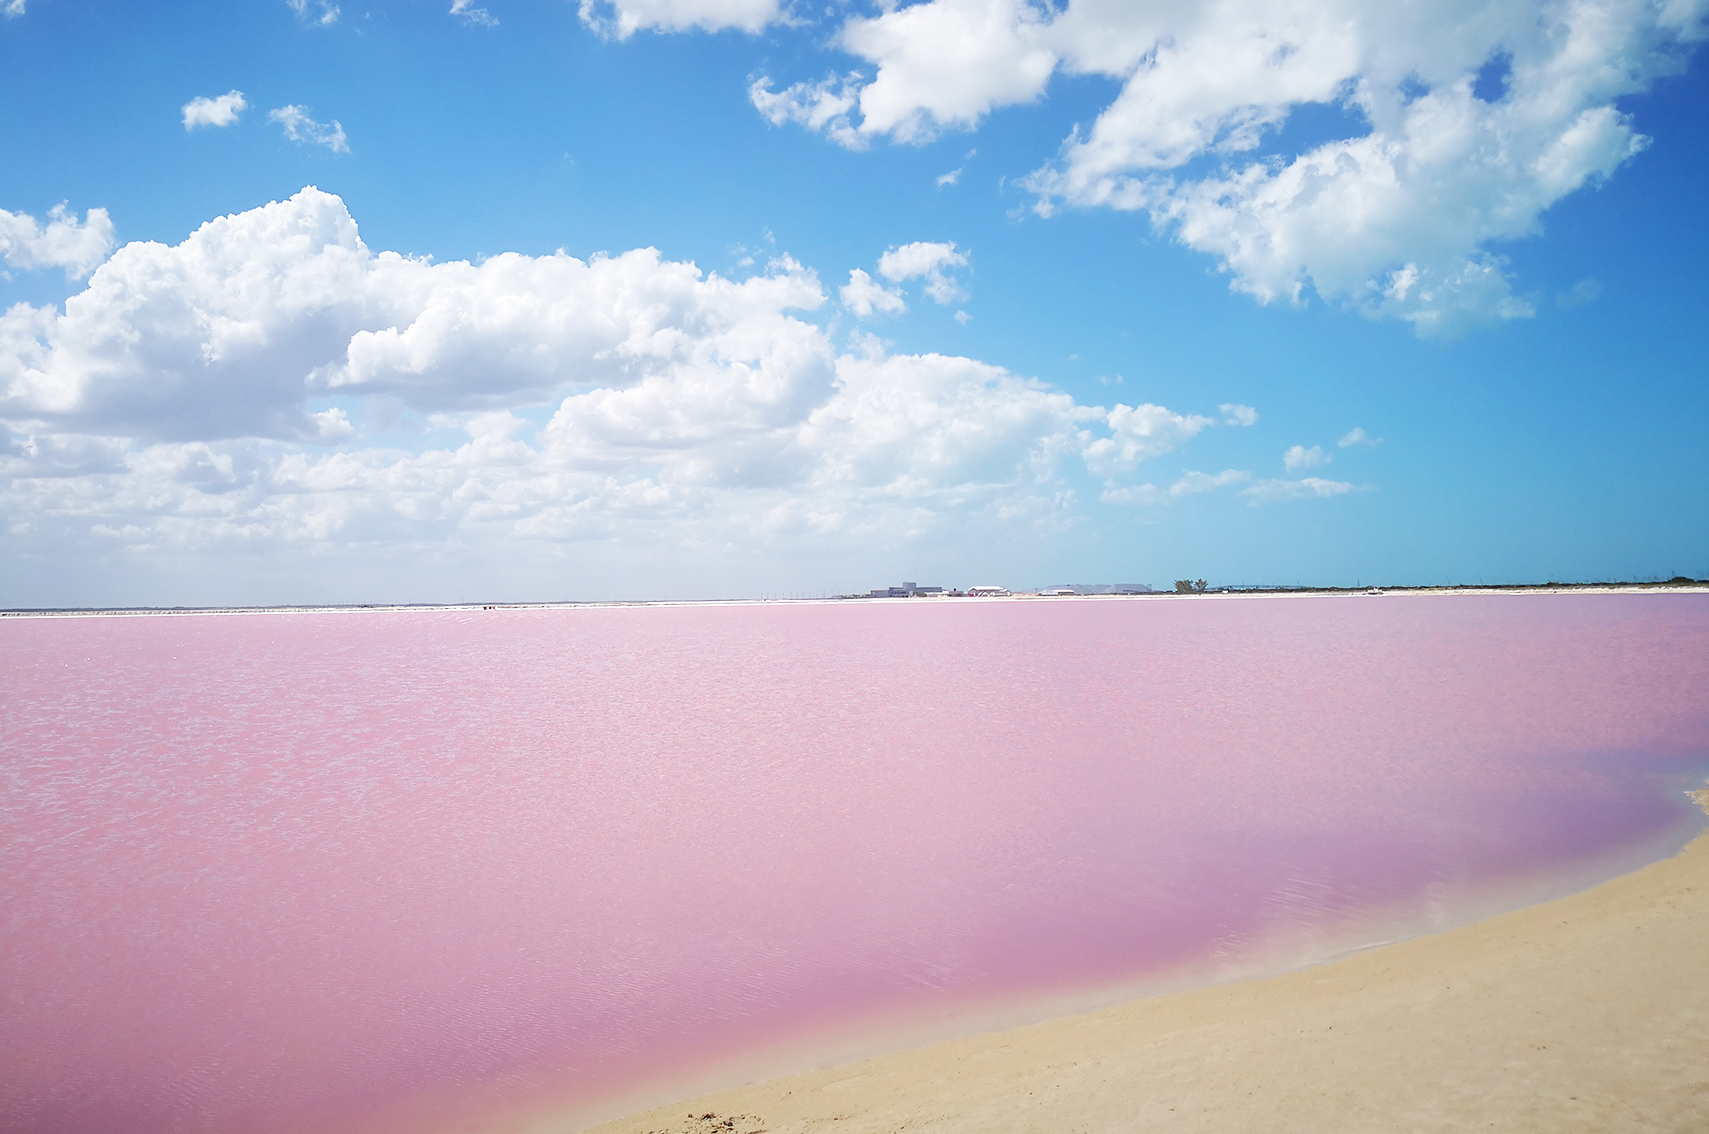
{"x": 1590, "y": 1012}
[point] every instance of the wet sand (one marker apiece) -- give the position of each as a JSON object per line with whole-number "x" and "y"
{"x": 1587, "y": 1013}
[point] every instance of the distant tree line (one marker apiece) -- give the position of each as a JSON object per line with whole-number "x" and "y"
{"x": 1191, "y": 586}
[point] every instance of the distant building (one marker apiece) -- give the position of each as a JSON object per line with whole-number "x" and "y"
{"x": 906, "y": 590}
{"x": 987, "y": 590}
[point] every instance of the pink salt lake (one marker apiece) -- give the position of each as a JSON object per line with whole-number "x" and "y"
{"x": 422, "y": 871}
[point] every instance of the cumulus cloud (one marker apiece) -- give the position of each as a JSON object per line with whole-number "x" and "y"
{"x": 63, "y": 242}
{"x": 1357, "y": 436}
{"x": 1397, "y": 219}
{"x": 947, "y": 63}
{"x": 214, "y": 395}
{"x": 1140, "y": 433}
{"x": 226, "y": 334}
{"x": 480, "y": 17}
{"x": 299, "y": 127}
{"x": 1308, "y": 488}
{"x": 221, "y": 111}
{"x": 620, "y": 19}
{"x": 927, "y": 260}
{"x": 1299, "y": 457}
{"x": 320, "y": 12}
{"x": 1234, "y": 413}
{"x": 863, "y": 295}
{"x": 1190, "y": 484}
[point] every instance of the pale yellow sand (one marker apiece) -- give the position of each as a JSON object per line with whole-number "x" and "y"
{"x": 1589, "y": 1013}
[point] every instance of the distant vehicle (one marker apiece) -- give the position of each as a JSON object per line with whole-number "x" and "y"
{"x": 1375, "y": 591}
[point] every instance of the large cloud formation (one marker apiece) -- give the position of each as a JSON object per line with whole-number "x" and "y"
{"x": 224, "y": 392}
{"x": 1471, "y": 118}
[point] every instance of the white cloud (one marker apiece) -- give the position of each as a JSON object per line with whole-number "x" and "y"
{"x": 1190, "y": 484}
{"x": 56, "y": 456}
{"x": 1397, "y": 219}
{"x": 332, "y": 426}
{"x": 1233, "y": 413}
{"x": 299, "y": 127}
{"x": 863, "y": 295}
{"x": 963, "y": 318}
{"x": 927, "y": 260}
{"x": 184, "y": 404}
{"x": 63, "y": 242}
{"x": 12, "y": 8}
{"x": 227, "y": 333}
{"x": 1357, "y": 436}
{"x": 472, "y": 15}
{"x": 620, "y": 19}
{"x": 1140, "y": 433}
{"x": 938, "y": 426}
{"x": 824, "y": 105}
{"x": 946, "y": 179}
{"x": 1309, "y": 488}
{"x": 1299, "y": 457}
{"x": 948, "y": 63}
{"x": 221, "y": 111}
{"x": 322, "y": 12}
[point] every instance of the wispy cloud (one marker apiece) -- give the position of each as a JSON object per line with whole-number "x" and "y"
{"x": 12, "y": 8}
{"x": 321, "y": 12}
{"x": 823, "y": 106}
{"x": 1357, "y": 436}
{"x": 221, "y": 111}
{"x": 470, "y": 14}
{"x": 1584, "y": 291}
{"x": 1233, "y": 413}
{"x": 949, "y": 178}
{"x": 1190, "y": 484}
{"x": 299, "y": 127}
{"x": 620, "y": 19}
{"x": 1309, "y": 488}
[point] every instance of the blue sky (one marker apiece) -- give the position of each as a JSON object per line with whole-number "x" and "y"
{"x": 1149, "y": 269}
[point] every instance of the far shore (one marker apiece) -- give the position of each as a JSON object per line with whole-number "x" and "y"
{"x": 1213, "y": 593}
{"x": 1585, "y": 1013}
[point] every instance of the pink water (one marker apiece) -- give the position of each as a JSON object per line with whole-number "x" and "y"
{"x": 400, "y": 871}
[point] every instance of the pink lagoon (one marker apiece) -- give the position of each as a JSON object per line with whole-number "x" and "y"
{"x": 453, "y": 869}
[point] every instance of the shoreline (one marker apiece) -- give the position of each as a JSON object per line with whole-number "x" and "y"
{"x": 614, "y": 604}
{"x": 1581, "y": 1012}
